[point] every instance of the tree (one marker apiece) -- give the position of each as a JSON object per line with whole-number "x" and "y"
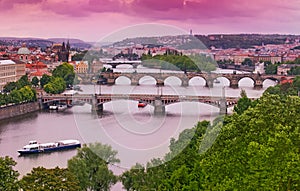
{"x": 257, "y": 150}
{"x": 45, "y": 80}
{"x": 296, "y": 83}
{"x": 56, "y": 85}
{"x": 90, "y": 166}
{"x": 271, "y": 69}
{"x": 41, "y": 178}
{"x": 243, "y": 103}
{"x": 35, "y": 81}
{"x": 8, "y": 176}
{"x": 23, "y": 81}
{"x": 66, "y": 72}
{"x": 10, "y": 86}
{"x": 247, "y": 62}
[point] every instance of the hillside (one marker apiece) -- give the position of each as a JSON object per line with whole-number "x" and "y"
{"x": 216, "y": 40}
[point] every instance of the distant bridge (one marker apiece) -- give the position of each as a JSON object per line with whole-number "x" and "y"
{"x": 209, "y": 78}
{"x": 115, "y": 63}
{"x": 158, "y": 101}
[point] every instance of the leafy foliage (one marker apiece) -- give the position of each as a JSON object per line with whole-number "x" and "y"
{"x": 49, "y": 179}
{"x": 248, "y": 62}
{"x": 66, "y": 72}
{"x": 180, "y": 62}
{"x": 257, "y": 149}
{"x": 243, "y": 103}
{"x": 55, "y": 86}
{"x": 8, "y": 176}
{"x": 271, "y": 68}
{"x": 285, "y": 88}
{"x": 45, "y": 80}
{"x": 35, "y": 81}
{"x": 90, "y": 166}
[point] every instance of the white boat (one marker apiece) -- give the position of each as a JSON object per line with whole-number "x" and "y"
{"x": 53, "y": 107}
{"x": 62, "y": 107}
{"x": 35, "y": 147}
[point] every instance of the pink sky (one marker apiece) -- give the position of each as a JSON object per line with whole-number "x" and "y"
{"x": 91, "y": 20}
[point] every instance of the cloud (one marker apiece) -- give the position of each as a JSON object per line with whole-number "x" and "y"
{"x": 164, "y": 9}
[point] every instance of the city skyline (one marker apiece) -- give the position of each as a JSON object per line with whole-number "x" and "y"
{"x": 94, "y": 20}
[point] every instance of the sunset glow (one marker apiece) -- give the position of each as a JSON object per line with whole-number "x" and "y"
{"x": 90, "y": 20}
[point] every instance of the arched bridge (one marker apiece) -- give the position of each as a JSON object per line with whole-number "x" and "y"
{"x": 208, "y": 77}
{"x": 115, "y": 63}
{"x": 158, "y": 101}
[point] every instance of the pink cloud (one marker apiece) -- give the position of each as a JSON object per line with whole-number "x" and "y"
{"x": 24, "y": 17}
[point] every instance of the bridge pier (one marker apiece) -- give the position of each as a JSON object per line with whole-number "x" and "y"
{"x": 160, "y": 82}
{"x": 134, "y": 82}
{"x": 159, "y": 107}
{"x": 96, "y": 107}
{"x": 234, "y": 83}
{"x": 185, "y": 83}
{"x": 135, "y": 65}
{"x": 223, "y": 107}
{"x": 223, "y": 103}
{"x": 110, "y": 81}
{"x": 209, "y": 83}
{"x": 258, "y": 84}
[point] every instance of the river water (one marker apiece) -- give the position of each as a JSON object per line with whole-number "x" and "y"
{"x": 134, "y": 132}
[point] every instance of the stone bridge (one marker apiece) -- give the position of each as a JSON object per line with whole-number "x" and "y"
{"x": 208, "y": 77}
{"x": 115, "y": 63}
{"x": 158, "y": 101}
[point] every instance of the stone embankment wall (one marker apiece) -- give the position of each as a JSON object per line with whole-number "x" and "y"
{"x": 16, "y": 110}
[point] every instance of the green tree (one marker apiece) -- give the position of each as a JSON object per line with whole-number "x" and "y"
{"x": 35, "y": 81}
{"x": 45, "y": 80}
{"x": 271, "y": 69}
{"x": 8, "y": 176}
{"x": 257, "y": 150}
{"x": 248, "y": 62}
{"x": 243, "y": 103}
{"x": 90, "y": 166}
{"x": 56, "y": 85}
{"x": 41, "y": 178}
{"x": 23, "y": 81}
{"x": 10, "y": 86}
{"x": 294, "y": 70}
{"x": 296, "y": 83}
{"x": 66, "y": 72}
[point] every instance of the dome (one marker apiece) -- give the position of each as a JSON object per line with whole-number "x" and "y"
{"x": 23, "y": 50}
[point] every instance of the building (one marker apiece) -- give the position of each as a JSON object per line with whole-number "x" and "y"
{"x": 10, "y": 71}
{"x": 284, "y": 68}
{"x": 267, "y": 57}
{"x": 62, "y": 51}
{"x": 24, "y": 53}
{"x": 81, "y": 67}
{"x": 96, "y": 66}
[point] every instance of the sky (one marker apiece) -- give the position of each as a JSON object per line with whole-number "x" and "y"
{"x": 99, "y": 20}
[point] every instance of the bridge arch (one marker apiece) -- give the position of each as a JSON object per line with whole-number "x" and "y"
{"x": 124, "y": 66}
{"x": 147, "y": 80}
{"x": 173, "y": 80}
{"x": 267, "y": 82}
{"x": 197, "y": 81}
{"x": 221, "y": 81}
{"x": 123, "y": 80}
{"x": 246, "y": 81}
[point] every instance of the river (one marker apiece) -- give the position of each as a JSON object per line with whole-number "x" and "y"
{"x": 134, "y": 132}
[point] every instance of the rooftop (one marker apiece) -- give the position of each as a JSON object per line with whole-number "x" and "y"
{"x": 6, "y": 62}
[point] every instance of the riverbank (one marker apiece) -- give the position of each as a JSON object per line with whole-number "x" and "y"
{"x": 17, "y": 110}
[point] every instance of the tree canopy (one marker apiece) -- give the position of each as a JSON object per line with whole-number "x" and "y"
{"x": 41, "y": 178}
{"x": 66, "y": 72}
{"x": 257, "y": 149}
{"x": 90, "y": 166}
{"x": 8, "y": 176}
